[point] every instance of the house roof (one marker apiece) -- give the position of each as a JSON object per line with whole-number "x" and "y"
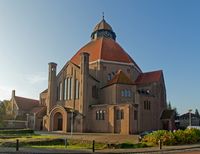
{"x": 26, "y": 103}
{"x": 186, "y": 115}
{"x": 120, "y": 78}
{"x": 148, "y": 77}
{"x": 45, "y": 91}
{"x": 104, "y": 49}
{"x": 37, "y": 109}
{"x": 167, "y": 114}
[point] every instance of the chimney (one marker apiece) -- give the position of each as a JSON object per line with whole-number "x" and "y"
{"x": 13, "y": 93}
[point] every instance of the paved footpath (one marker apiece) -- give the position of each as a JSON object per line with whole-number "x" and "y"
{"x": 185, "y": 149}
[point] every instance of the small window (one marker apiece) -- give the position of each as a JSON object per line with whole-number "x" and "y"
{"x": 147, "y": 105}
{"x": 77, "y": 89}
{"x": 100, "y": 115}
{"x": 129, "y": 93}
{"x": 97, "y": 115}
{"x": 122, "y": 93}
{"x": 135, "y": 115}
{"x": 109, "y": 77}
{"x": 120, "y": 114}
{"x": 94, "y": 92}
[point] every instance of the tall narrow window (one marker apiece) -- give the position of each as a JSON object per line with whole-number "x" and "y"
{"x": 60, "y": 91}
{"x": 57, "y": 96}
{"x": 109, "y": 77}
{"x": 94, "y": 91}
{"x": 135, "y": 115}
{"x": 68, "y": 88}
{"x": 65, "y": 89}
{"x": 122, "y": 93}
{"x": 97, "y": 115}
{"x": 77, "y": 90}
{"x": 118, "y": 114}
{"x": 129, "y": 93}
{"x": 122, "y": 114}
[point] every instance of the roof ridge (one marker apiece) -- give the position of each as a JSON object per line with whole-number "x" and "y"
{"x": 26, "y": 98}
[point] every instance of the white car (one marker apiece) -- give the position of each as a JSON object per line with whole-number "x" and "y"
{"x": 196, "y": 127}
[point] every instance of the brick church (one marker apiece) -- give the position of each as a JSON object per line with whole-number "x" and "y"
{"x": 102, "y": 89}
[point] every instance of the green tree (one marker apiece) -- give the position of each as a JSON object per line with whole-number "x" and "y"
{"x": 169, "y": 106}
{"x": 5, "y": 111}
{"x": 197, "y": 113}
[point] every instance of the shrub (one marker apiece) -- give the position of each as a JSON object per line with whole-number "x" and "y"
{"x": 17, "y": 131}
{"x": 172, "y": 138}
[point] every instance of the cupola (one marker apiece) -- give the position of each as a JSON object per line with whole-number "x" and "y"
{"x": 103, "y": 29}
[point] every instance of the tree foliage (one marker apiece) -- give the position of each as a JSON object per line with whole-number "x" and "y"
{"x": 197, "y": 113}
{"x": 5, "y": 111}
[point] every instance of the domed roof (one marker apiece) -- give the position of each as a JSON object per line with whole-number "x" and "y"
{"x": 103, "y": 25}
{"x": 104, "y": 49}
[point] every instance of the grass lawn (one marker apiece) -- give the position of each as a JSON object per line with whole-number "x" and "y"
{"x": 58, "y": 142}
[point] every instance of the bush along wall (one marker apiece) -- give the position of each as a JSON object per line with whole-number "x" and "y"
{"x": 187, "y": 136}
{"x": 17, "y": 131}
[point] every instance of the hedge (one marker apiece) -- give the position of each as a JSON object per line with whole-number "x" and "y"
{"x": 187, "y": 136}
{"x": 17, "y": 131}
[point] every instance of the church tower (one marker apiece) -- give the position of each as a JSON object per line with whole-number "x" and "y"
{"x": 51, "y": 96}
{"x": 84, "y": 68}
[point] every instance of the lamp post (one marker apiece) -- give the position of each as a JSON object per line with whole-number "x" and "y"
{"x": 27, "y": 120}
{"x": 34, "y": 118}
{"x": 190, "y": 117}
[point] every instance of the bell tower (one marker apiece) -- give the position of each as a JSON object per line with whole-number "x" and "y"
{"x": 51, "y": 95}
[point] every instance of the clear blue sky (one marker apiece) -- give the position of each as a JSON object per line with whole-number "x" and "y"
{"x": 157, "y": 34}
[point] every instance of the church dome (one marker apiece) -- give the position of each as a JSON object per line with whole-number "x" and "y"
{"x": 104, "y": 47}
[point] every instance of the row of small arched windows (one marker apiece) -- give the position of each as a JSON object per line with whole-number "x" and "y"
{"x": 126, "y": 93}
{"x": 111, "y": 75}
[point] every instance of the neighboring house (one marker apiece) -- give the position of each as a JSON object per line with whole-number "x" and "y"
{"x": 26, "y": 109}
{"x": 102, "y": 89}
{"x": 184, "y": 120}
{"x": 168, "y": 119}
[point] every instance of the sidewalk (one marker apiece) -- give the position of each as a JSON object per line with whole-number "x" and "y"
{"x": 152, "y": 150}
{"x": 165, "y": 149}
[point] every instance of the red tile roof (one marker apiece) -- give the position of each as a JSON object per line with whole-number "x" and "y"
{"x": 148, "y": 77}
{"x": 26, "y": 103}
{"x": 104, "y": 49}
{"x": 37, "y": 109}
{"x": 120, "y": 78}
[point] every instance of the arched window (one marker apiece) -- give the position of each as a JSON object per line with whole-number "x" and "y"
{"x": 109, "y": 77}
{"x": 129, "y": 93}
{"x": 60, "y": 91}
{"x": 122, "y": 93}
{"x": 69, "y": 88}
{"x": 65, "y": 89}
{"x": 97, "y": 115}
{"x": 77, "y": 89}
{"x": 125, "y": 93}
